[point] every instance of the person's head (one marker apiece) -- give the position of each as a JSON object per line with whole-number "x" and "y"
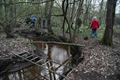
{"x": 94, "y": 17}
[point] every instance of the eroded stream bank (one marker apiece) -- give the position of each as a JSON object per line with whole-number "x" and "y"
{"x": 62, "y": 58}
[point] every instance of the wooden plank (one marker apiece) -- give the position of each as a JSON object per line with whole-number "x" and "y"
{"x": 21, "y": 54}
{"x": 34, "y": 58}
{"x": 38, "y": 61}
{"x": 29, "y": 56}
{"x": 63, "y": 43}
{"x": 44, "y": 63}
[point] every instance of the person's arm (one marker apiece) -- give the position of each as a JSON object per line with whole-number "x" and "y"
{"x": 90, "y": 24}
{"x": 98, "y": 24}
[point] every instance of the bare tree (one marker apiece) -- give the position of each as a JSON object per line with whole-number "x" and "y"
{"x": 87, "y": 10}
{"x": 101, "y": 8}
{"x": 78, "y": 20}
{"x": 64, "y": 10}
{"x": 1, "y": 9}
{"x": 48, "y": 13}
{"x": 9, "y": 11}
{"x": 107, "y": 38}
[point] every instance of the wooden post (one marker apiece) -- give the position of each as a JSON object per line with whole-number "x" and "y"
{"x": 69, "y": 54}
{"x": 24, "y": 78}
{"x": 49, "y": 58}
{"x": 69, "y": 51}
{"x": 14, "y": 76}
{"x": 51, "y": 64}
{"x": 20, "y": 75}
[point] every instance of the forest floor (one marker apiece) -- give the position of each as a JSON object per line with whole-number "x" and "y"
{"x": 100, "y": 62}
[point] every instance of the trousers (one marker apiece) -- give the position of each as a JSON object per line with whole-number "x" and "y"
{"x": 94, "y": 33}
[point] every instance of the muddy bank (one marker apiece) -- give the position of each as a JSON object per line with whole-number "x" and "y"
{"x": 100, "y": 63}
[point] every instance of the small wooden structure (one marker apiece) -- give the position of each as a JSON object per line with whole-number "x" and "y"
{"x": 31, "y": 70}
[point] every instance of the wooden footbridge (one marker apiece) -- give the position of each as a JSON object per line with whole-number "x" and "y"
{"x": 46, "y": 69}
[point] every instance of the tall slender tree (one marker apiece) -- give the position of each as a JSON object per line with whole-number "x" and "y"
{"x": 107, "y": 38}
{"x": 101, "y": 8}
{"x": 65, "y": 6}
{"x": 48, "y": 12}
{"x": 1, "y": 8}
{"x": 78, "y": 21}
{"x": 87, "y": 11}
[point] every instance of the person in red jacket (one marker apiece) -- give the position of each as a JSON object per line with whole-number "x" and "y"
{"x": 94, "y": 25}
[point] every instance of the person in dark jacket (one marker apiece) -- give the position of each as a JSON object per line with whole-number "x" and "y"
{"x": 33, "y": 20}
{"x": 28, "y": 20}
{"x": 94, "y": 25}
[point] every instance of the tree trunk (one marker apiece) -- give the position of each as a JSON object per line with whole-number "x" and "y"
{"x": 48, "y": 12}
{"x": 9, "y": 15}
{"x": 1, "y": 9}
{"x": 107, "y": 38}
{"x": 87, "y": 11}
{"x": 65, "y": 5}
{"x": 5, "y": 10}
{"x": 100, "y": 11}
{"x": 78, "y": 21}
{"x": 64, "y": 13}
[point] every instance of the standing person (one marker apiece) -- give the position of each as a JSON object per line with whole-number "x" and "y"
{"x": 94, "y": 25}
{"x": 33, "y": 20}
{"x": 28, "y": 20}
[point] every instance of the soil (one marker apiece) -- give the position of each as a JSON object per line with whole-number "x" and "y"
{"x": 100, "y": 62}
